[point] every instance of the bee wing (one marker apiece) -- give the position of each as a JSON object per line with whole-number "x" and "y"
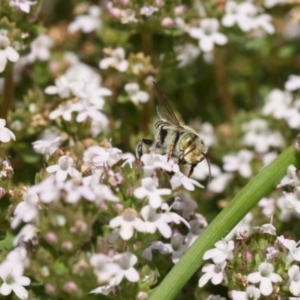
{"x": 164, "y": 109}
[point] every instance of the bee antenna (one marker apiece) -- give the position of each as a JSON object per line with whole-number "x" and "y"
{"x": 209, "y": 168}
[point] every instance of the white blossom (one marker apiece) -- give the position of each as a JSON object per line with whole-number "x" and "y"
{"x": 88, "y": 22}
{"x": 11, "y": 272}
{"x": 158, "y": 245}
{"x": 23, "y": 5}
{"x": 40, "y": 48}
{"x": 251, "y": 293}
{"x": 239, "y": 162}
{"x": 148, "y": 10}
{"x": 186, "y": 54}
{"x": 265, "y": 277}
{"x": 27, "y": 210}
{"x": 177, "y": 247}
{"x": 136, "y": 95}
{"x": 104, "y": 267}
{"x": 293, "y": 83}
{"x": 126, "y": 261}
{"x": 156, "y": 221}
{"x": 213, "y": 272}
{"x": 5, "y": 134}
{"x": 208, "y": 34}
{"x": 149, "y": 189}
{"x": 7, "y": 53}
{"x": 116, "y": 60}
{"x": 127, "y": 222}
{"x": 294, "y": 280}
{"x": 222, "y": 252}
{"x": 64, "y": 168}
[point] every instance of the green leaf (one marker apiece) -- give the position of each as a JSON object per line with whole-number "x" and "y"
{"x": 243, "y": 202}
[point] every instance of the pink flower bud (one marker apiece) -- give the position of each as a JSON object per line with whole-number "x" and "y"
{"x": 70, "y": 287}
{"x": 179, "y": 10}
{"x": 51, "y": 238}
{"x": 247, "y": 255}
{"x": 167, "y": 22}
{"x": 50, "y": 289}
{"x": 68, "y": 246}
{"x": 159, "y": 2}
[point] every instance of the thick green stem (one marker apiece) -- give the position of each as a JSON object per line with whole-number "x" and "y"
{"x": 242, "y": 203}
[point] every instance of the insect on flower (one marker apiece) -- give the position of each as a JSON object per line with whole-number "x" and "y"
{"x": 178, "y": 141}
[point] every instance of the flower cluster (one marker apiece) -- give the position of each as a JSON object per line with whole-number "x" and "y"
{"x": 251, "y": 272}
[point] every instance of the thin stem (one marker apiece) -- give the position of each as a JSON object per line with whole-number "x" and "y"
{"x": 242, "y": 203}
{"x": 7, "y": 92}
{"x": 221, "y": 78}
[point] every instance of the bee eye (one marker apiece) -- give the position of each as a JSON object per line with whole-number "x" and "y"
{"x": 186, "y": 141}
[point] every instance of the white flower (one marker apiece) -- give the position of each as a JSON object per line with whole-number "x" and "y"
{"x": 5, "y": 134}
{"x": 64, "y": 168}
{"x": 251, "y": 293}
{"x": 265, "y": 276}
{"x": 290, "y": 178}
{"x": 294, "y": 276}
{"x": 158, "y": 245}
{"x": 149, "y": 190}
{"x": 75, "y": 191}
{"x": 102, "y": 157}
{"x": 47, "y": 146}
{"x": 116, "y": 60}
{"x": 240, "y": 14}
{"x": 87, "y": 23}
{"x": 196, "y": 229}
{"x": 127, "y": 222}
{"x": 148, "y": 10}
{"x": 11, "y": 272}
{"x": 294, "y": 251}
{"x": 175, "y": 218}
{"x": 104, "y": 289}
{"x": 177, "y": 247}
{"x": 126, "y": 261}
{"x": 186, "y": 54}
{"x": 222, "y": 252}
{"x": 27, "y": 210}
{"x": 220, "y": 182}
{"x": 271, "y": 3}
{"x": 64, "y": 110}
{"x": 48, "y": 190}
{"x": 292, "y": 115}
{"x": 6, "y": 52}
{"x": 62, "y": 87}
{"x": 186, "y": 205}
{"x": 179, "y": 179}
{"x": 135, "y": 94}
{"x": 208, "y": 34}
{"x": 40, "y": 48}
{"x": 260, "y": 136}
{"x": 268, "y": 206}
{"x": 213, "y": 272}
{"x": 156, "y": 221}
{"x": 277, "y": 103}
{"x": 27, "y": 233}
{"x": 264, "y": 21}
{"x": 23, "y": 5}
{"x": 293, "y": 83}
{"x": 239, "y": 162}
{"x": 104, "y": 267}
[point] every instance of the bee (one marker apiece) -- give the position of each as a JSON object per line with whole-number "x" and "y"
{"x": 175, "y": 140}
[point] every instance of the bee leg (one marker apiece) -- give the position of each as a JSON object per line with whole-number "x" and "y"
{"x": 173, "y": 145}
{"x": 139, "y": 148}
{"x": 191, "y": 170}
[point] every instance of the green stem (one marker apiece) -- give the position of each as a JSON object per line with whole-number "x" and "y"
{"x": 242, "y": 203}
